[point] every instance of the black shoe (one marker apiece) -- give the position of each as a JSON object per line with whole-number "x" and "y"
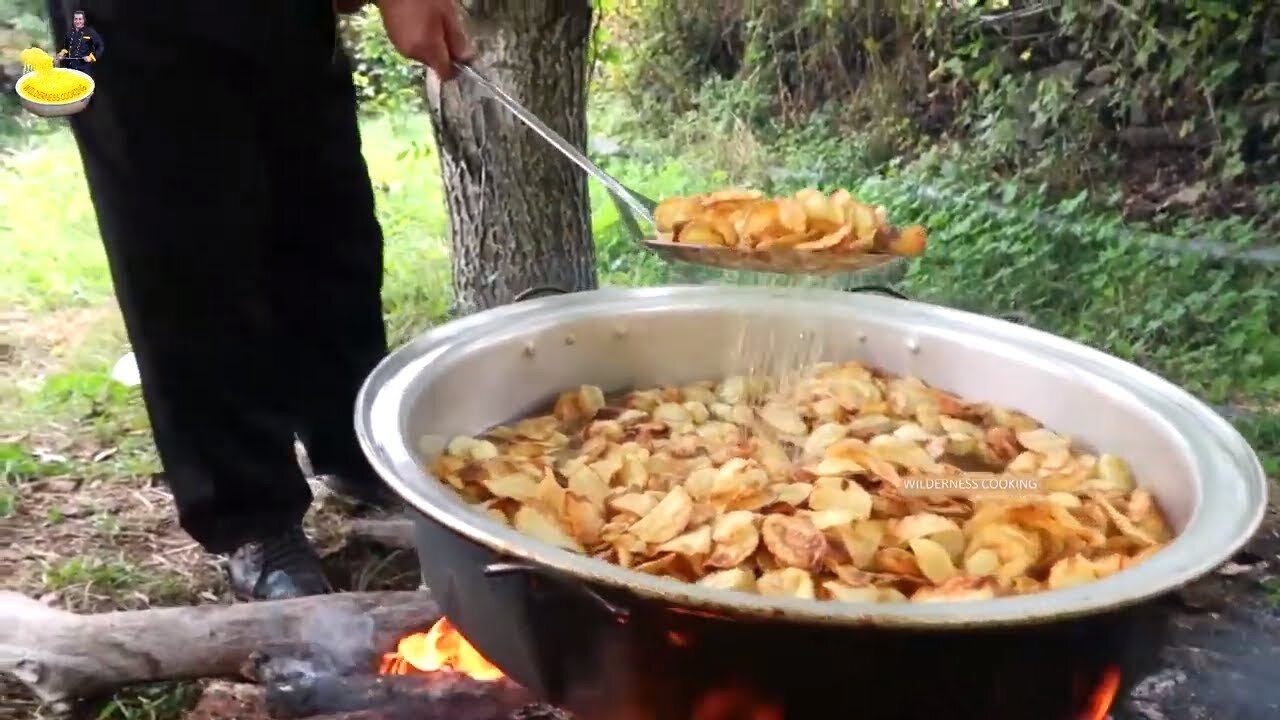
{"x": 280, "y": 567}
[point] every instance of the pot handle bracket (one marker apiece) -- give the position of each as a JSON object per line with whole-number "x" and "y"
{"x": 1018, "y": 317}
{"x": 539, "y": 291}
{"x": 534, "y": 573}
{"x": 879, "y": 289}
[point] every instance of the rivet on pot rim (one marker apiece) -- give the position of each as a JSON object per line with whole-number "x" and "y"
{"x": 569, "y": 339}
{"x": 862, "y": 337}
{"x": 619, "y": 332}
{"x": 528, "y": 349}
{"x": 913, "y": 345}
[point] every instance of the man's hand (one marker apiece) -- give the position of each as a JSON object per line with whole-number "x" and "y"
{"x": 62, "y": 53}
{"x": 427, "y": 30}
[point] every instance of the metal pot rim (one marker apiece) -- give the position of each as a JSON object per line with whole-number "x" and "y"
{"x": 1222, "y": 522}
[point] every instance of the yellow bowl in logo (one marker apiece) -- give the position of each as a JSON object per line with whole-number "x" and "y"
{"x": 55, "y": 92}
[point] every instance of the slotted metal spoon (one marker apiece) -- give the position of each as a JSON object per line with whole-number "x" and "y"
{"x": 632, "y": 205}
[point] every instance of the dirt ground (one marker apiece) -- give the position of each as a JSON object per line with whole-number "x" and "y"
{"x": 86, "y": 522}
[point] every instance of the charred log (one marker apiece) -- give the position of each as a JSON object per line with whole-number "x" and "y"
{"x": 426, "y": 696}
{"x": 224, "y": 701}
{"x": 519, "y": 213}
{"x": 62, "y": 656}
{"x": 531, "y": 712}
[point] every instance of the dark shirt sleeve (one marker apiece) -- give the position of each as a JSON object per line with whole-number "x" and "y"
{"x": 65, "y": 47}
{"x": 95, "y": 43}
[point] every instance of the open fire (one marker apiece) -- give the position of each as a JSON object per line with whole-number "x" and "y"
{"x": 1104, "y": 696}
{"x": 441, "y": 648}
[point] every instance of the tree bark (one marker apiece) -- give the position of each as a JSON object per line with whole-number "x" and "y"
{"x": 519, "y": 213}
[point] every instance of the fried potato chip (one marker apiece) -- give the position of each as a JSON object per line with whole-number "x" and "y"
{"x": 846, "y": 593}
{"x": 736, "y": 538}
{"x": 821, "y": 210}
{"x": 861, "y": 540}
{"x": 793, "y": 541}
{"x": 783, "y": 419}
{"x": 808, "y": 221}
{"x": 731, "y": 195}
{"x": 958, "y": 588}
{"x": 787, "y": 582}
{"x": 517, "y": 486}
{"x": 673, "y": 213}
{"x": 829, "y": 240}
{"x": 909, "y": 242}
{"x": 933, "y": 560}
{"x": 737, "y": 578}
{"x": 695, "y": 543}
{"x": 836, "y": 493}
{"x": 584, "y": 518}
{"x": 535, "y": 523}
{"x": 700, "y": 232}
{"x": 667, "y": 519}
{"x": 790, "y": 487}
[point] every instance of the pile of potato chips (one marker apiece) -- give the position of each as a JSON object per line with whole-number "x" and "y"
{"x": 797, "y": 489}
{"x": 807, "y": 221}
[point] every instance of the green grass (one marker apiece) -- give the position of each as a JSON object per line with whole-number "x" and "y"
{"x": 1272, "y": 586}
{"x": 49, "y": 245}
{"x": 158, "y": 702}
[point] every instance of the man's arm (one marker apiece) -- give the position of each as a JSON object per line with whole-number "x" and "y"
{"x": 62, "y": 52}
{"x": 95, "y": 43}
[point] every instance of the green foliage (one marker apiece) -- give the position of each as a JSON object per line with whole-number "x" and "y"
{"x": 1210, "y": 324}
{"x": 1001, "y": 126}
{"x": 385, "y": 81}
{"x": 17, "y": 464}
{"x": 1263, "y": 433}
{"x": 1083, "y": 68}
{"x": 1034, "y": 88}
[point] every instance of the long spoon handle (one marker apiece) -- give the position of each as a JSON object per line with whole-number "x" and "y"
{"x": 636, "y": 202}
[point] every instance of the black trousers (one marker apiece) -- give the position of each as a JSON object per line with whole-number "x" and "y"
{"x": 223, "y": 159}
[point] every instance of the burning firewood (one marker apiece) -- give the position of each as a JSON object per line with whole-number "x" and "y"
{"x": 423, "y": 696}
{"x": 62, "y": 656}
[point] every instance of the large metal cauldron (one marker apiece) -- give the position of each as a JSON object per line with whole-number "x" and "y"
{"x": 612, "y": 643}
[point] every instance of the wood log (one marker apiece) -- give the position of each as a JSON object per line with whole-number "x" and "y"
{"x": 396, "y": 534}
{"x": 423, "y": 696}
{"x": 225, "y": 701}
{"x": 530, "y": 712}
{"x": 62, "y": 656}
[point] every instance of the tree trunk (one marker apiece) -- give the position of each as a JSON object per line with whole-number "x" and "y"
{"x": 519, "y": 213}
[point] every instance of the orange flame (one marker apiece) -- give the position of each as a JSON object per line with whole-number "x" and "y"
{"x": 731, "y": 703}
{"x": 440, "y": 648}
{"x": 1103, "y": 696}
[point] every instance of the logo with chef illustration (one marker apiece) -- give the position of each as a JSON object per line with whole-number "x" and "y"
{"x": 61, "y": 84}
{"x": 81, "y": 46}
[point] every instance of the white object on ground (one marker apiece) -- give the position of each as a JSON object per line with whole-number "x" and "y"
{"x": 125, "y": 371}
